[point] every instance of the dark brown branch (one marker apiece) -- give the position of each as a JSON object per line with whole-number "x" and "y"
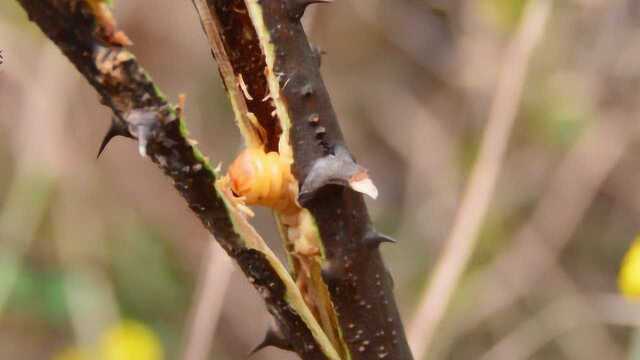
{"x": 360, "y": 285}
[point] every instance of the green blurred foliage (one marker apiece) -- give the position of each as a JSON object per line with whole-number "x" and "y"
{"x": 148, "y": 281}
{"x": 505, "y": 13}
{"x": 494, "y": 235}
{"x": 552, "y": 116}
{"x": 21, "y": 216}
{"x": 141, "y": 259}
{"x": 41, "y": 294}
{"x": 634, "y": 353}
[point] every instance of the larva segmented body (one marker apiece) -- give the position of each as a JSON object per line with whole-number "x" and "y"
{"x": 264, "y": 179}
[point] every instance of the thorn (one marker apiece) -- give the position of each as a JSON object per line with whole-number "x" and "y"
{"x": 275, "y": 338}
{"x": 297, "y": 7}
{"x": 337, "y": 169}
{"x": 117, "y": 128}
{"x": 374, "y": 238}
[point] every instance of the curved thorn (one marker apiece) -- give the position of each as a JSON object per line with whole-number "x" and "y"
{"x": 117, "y": 128}
{"x": 337, "y": 169}
{"x": 298, "y": 7}
{"x": 275, "y": 338}
{"x": 374, "y": 239}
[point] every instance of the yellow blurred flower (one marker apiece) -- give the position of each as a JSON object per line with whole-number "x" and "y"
{"x": 127, "y": 340}
{"x": 130, "y": 340}
{"x": 629, "y": 276}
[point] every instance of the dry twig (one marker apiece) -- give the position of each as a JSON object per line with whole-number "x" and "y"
{"x": 459, "y": 246}
{"x": 205, "y": 313}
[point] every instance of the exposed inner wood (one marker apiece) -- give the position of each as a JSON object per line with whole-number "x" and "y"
{"x": 241, "y": 63}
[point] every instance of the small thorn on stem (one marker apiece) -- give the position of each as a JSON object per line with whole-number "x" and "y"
{"x": 297, "y": 7}
{"x": 117, "y": 128}
{"x": 275, "y": 338}
{"x": 374, "y": 239}
{"x": 337, "y": 169}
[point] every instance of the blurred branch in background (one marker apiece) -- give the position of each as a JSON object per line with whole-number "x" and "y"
{"x": 406, "y": 21}
{"x": 34, "y": 179}
{"x": 22, "y": 213}
{"x": 459, "y": 246}
{"x": 537, "y": 245}
{"x": 549, "y": 324}
{"x": 30, "y": 190}
{"x": 426, "y": 127}
{"x": 592, "y": 341}
{"x": 79, "y": 238}
{"x": 561, "y": 317}
{"x": 215, "y": 273}
{"x": 45, "y": 163}
{"x": 579, "y": 178}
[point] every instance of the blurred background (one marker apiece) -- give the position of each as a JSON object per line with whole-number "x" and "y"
{"x": 102, "y": 255}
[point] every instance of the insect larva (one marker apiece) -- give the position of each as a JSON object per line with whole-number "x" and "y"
{"x": 261, "y": 178}
{"x": 264, "y": 179}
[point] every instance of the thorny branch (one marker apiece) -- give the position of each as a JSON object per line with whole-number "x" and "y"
{"x": 86, "y": 34}
{"x": 263, "y": 54}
